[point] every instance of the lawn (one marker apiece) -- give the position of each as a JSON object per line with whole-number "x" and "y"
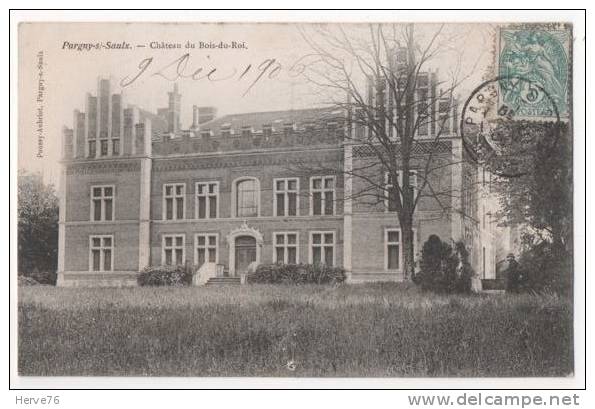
{"x": 264, "y": 330}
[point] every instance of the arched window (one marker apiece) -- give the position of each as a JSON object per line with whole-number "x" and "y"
{"x": 247, "y": 195}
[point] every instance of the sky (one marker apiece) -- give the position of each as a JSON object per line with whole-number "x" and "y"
{"x": 258, "y": 71}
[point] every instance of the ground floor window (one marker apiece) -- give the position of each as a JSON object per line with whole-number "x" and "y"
{"x": 101, "y": 250}
{"x": 392, "y": 242}
{"x": 286, "y": 248}
{"x": 173, "y": 249}
{"x": 205, "y": 249}
{"x": 393, "y": 248}
{"x": 322, "y": 247}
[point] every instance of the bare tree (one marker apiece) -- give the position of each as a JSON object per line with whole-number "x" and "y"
{"x": 396, "y": 109}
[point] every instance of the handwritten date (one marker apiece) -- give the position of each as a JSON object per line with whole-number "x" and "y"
{"x": 183, "y": 68}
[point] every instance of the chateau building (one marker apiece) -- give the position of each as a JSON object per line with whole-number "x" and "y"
{"x": 138, "y": 189}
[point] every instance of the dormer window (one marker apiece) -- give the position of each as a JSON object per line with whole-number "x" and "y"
{"x": 246, "y": 131}
{"x": 288, "y": 128}
{"x": 205, "y": 133}
{"x": 331, "y": 127}
{"x": 226, "y": 131}
{"x": 267, "y": 130}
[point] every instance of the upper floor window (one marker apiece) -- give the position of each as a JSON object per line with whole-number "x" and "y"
{"x": 392, "y": 192}
{"x": 286, "y": 248}
{"x": 423, "y": 112}
{"x": 102, "y": 203}
{"x": 104, "y": 147}
{"x": 115, "y": 146}
{"x": 92, "y": 149}
{"x": 322, "y": 190}
{"x": 247, "y": 198}
{"x": 207, "y": 200}
{"x": 286, "y": 196}
{"x": 174, "y": 249}
{"x": 174, "y": 203}
{"x": 101, "y": 250}
{"x": 205, "y": 249}
{"x": 322, "y": 247}
{"x": 443, "y": 116}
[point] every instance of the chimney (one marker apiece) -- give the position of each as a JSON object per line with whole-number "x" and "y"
{"x": 173, "y": 107}
{"x": 67, "y": 143}
{"x": 195, "y": 116}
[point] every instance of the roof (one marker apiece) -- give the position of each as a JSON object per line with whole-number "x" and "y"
{"x": 276, "y": 119}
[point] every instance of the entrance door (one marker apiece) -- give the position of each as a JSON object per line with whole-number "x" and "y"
{"x": 245, "y": 253}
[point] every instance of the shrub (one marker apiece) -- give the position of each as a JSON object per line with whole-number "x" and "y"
{"x": 165, "y": 275}
{"x": 438, "y": 267}
{"x": 296, "y": 274}
{"x": 548, "y": 267}
{"x": 40, "y": 277}
{"x": 24, "y": 280}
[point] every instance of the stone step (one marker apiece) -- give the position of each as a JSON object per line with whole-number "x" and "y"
{"x": 224, "y": 281}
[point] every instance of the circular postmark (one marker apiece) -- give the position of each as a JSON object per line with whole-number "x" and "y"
{"x": 496, "y": 135}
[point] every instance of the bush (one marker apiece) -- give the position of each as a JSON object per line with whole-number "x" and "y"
{"x": 548, "y": 268}
{"x": 296, "y": 274}
{"x": 24, "y": 280}
{"x": 40, "y": 277}
{"x": 165, "y": 275}
{"x": 438, "y": 267}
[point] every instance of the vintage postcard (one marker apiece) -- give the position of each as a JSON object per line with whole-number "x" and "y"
{"x": 296, "y": 200}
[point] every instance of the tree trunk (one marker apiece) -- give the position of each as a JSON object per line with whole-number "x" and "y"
{"x": 408, "y": 249}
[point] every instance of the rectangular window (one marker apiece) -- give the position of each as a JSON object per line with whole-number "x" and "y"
{"x": 115, "y": 146}
{"x": 92, "y": 149}
{"x": 286, "y": 196}
{"x": 443, "y": 116}
{"x": 322, "y": 247}
{"x": 207, "y": 199}
{"x": 423, "y": 114}
{"x": 322, "y": 192}
{"x": 286, "y": 248}
{"x": 412, "y": 183}
{"x": 391, "y": 191}
{"x": 101, "y": 253}
{"x": 102, "y": 203}
{"x": 205, "y": 249}
{"x": 392, "y": 242}
{"x": 104, "y": 147}
{"x": 174, "y": 201}
{"x": 393, "y": 249}
{"x": 174, "y": 249}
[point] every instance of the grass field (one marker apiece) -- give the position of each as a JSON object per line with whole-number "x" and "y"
{"x": 260, "y": 330}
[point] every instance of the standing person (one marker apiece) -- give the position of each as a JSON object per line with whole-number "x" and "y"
{"x": 464, "y": 271}
{"x": 513, "y": 275}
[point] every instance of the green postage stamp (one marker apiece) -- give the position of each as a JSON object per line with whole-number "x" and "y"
{"x": 535, "y": 68}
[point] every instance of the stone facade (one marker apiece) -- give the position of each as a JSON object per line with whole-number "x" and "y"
{"x": 138, "y": 190}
